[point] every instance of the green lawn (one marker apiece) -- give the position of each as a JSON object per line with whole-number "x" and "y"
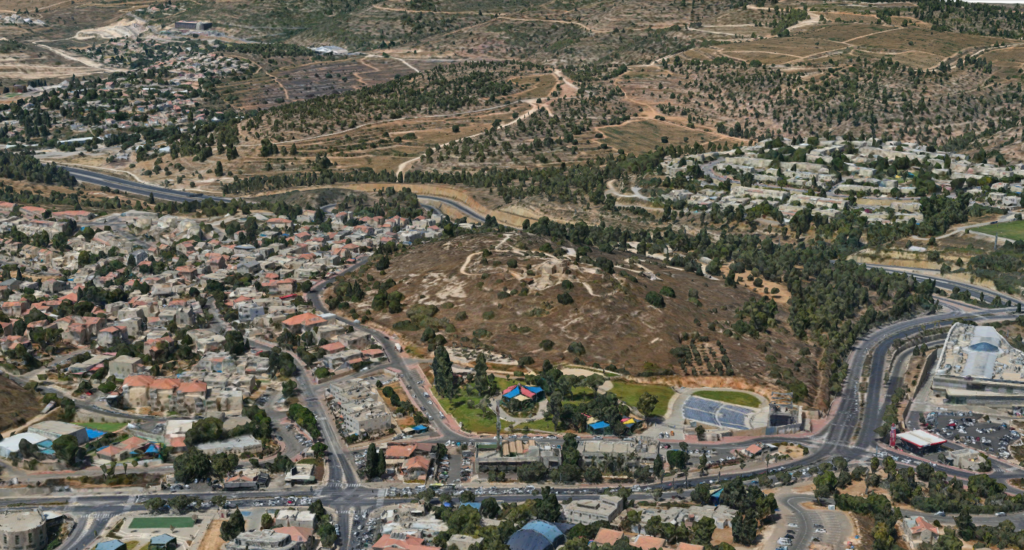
{"x": 1010, "y": 230}
{"x": 543, "y": 425}
{"x": 630, "y": 393}
{"x": 180, "y": 522}
{"x": 734, "y": 397}
{"x": 472, "y": 418}
{"x": 102, "y": 426}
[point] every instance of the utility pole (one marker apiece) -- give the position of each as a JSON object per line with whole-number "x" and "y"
{"x": 497, "y": 415}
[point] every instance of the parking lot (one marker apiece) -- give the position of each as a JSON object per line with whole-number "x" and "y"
{"x": 971, "y": 430}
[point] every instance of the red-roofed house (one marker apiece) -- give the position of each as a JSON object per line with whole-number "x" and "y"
{"x": 77, "y": 215}
{"x": 416, "y": 467}
{"x": 607, "y": 536}
{"x": 123, "y": 449}
{"x": 333, "y": 347}
{"x": 164, "y": 394}
{"x": 400, "y": 542}
{"x": 304, "y": 322}
{"x": 16, "y": 308}
{"x": 302, "y": 535}
{"x": 918, "y": 530}
{"x": 33, "y": 211}
{"x": 646, "y": 542}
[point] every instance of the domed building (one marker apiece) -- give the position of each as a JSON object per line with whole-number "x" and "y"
{"x": 537, "y": 535}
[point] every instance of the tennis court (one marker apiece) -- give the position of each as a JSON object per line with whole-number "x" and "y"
{"x": 162, "y": 523}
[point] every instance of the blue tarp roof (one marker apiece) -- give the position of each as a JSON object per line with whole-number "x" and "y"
{"x": 419, "y": 428}
{"x": 600, "y": 425}
{"x": 152, "y": 449}
{"x": 535, "y": 389}
{"x": 472, "y": 504}
{"x": 94, "y": 434}
{"x": 46, "y": 444}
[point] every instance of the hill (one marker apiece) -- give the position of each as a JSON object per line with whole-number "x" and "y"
{"x": 514, "y": 295}
{"x": 19, "y": 404}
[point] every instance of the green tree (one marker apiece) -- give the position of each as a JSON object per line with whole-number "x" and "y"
{"x": 66, "y": 448}
{"x": 234, "y": 525}
{"x": 647, "y": 404}
{"x": 289, "y": 388}
{"x": 490, "y": 508}
{"x": 181, "y": 503}
{"x": 744, "y": 528}
{"x": 701, "y": 494}
{"x": 965, "y": 525}
{"x": 375, "y": 466}
{"x": 154, "y": 505}
{"x": 192, "y": 465}
{"x": 547, "y": 507}
{"x": 444, "y": 376}
{"x": 223, "y": 464}
{"x": 702, "y": 531}
{"x": 267, "y": 521}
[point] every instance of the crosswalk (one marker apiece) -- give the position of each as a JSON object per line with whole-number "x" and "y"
{"x": 381, "y": 493}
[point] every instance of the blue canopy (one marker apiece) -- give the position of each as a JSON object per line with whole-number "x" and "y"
{"x": 599, "y": 425}
{"x": 94, "y": 434}
{"x": 152, "y": 449}
{"x": 419, "y": 428}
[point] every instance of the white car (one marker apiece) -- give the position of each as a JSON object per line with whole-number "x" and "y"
{"x": 821, "y": 530}
{"x": 792, "y": 525}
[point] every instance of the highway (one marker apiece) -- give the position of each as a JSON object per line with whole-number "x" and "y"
{"x": 137, "y": 188}
{"x": 850, "y": 435}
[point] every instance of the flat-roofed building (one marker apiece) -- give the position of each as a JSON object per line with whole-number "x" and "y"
{"x": 603, "y": 508}
{"x": 53, "y": 429}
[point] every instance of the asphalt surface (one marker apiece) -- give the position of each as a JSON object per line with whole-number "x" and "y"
{"x": 136, "y": 188}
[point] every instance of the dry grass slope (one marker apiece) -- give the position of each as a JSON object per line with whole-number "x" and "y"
{"x": 512, "y": 310}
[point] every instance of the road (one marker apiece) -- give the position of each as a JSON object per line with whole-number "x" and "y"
{"x": 137, "y": 188}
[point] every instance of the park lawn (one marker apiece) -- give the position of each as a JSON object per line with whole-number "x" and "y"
{"x": 1009, "y": 230}
{"x": 103, "y": 426}
{"x": 630, "y": 394}
{"x": 733, "y": 397}
{"x": 472, "y": 418}
{"x": 543, "y": 425}
{"x": 180, "y": 522}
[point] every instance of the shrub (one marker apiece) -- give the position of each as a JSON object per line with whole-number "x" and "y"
{"x": 567, "y": 285}
{"x": 481, "y": 333}
{"x": 547, "y": 345}
{"x": 577, "y": 349}
{"x": 565, "y": 298}
{"x": 461, "y": 316}
{"x": 667, "y": 291}
{"x": 655, "y": 299}
{"x": 512, "y": 263}
{"x": 488, "y": 315}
